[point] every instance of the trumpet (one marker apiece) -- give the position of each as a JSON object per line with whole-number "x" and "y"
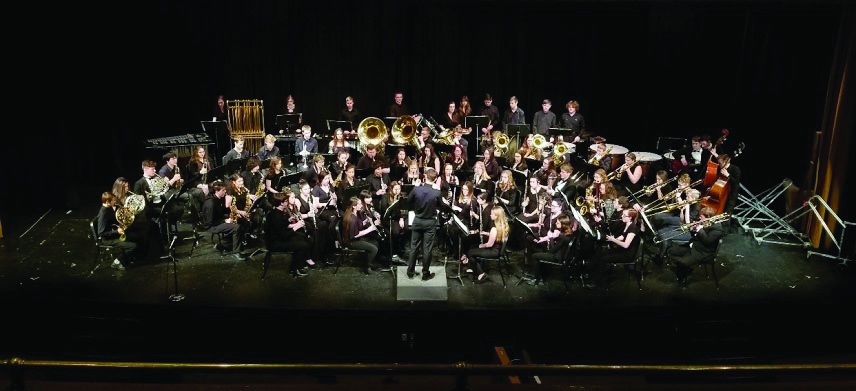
{"x": 684, "y": 228}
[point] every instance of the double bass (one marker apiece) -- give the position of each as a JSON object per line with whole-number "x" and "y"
{"x": 717, "y": 196}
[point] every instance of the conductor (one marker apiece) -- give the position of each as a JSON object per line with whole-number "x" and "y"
{"x": 424, "y": 201}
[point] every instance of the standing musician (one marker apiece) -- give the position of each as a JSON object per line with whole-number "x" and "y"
{"x": 316, "y": 228}
{"x": 481, "y": 180}
{"x": 623, "y": 251}
{"x": 290, "y": 106}
{"x": 275, "y": 172}
{"x": 397, "y": 225}
{"x": 242, "y": 199}
{"x": 458, "y": 158}
{"x": 424, "y": 201}
{"x": 514, "y": 115}
{"x": 490, "y": 164}
{"x": 237, "y": 152}
{"x": 412, "y": 176}
{"x": 544, "y": 119}
{"x": 215, "y": 219}
{"x": 109, "y": 231}
{"x": 220, "y": 112}
{"x": 507, "y": 193}
{"x": 398, "y": 108}
{"x": 398, "y": 166}
{"x": 428, "y": 159}
{"x": 464, "y": 110}
{"x": 452, "y": 119}
{"x": 600, "y": 158}
{"x": 357, "y": 232}
{"x": 350, "y": 113}
{"x": 490, "y": 249}
{"x": 559, "y": 240}
{"x": 315, "y": 169}
{"x": 338, "y": 143}
{"x": 703, "y": 243}
{"x": 269, "y": 150}
{"x": 492, "y": 114}
{"x": 574, "y": 120}
{"x": 286, "y": 231}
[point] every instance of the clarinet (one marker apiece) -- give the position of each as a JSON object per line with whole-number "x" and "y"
{"x": 375, "y": 214}
{"x": 481, "y": 224}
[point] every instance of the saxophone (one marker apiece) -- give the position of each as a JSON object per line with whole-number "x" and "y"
{"x": 233, "y": 214}
{"x": 260, "y": 190}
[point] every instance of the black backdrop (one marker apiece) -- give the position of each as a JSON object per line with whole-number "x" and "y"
{"x": 640, "y": 70}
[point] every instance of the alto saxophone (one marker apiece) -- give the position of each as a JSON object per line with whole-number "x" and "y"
{"x": 260, "y": 190}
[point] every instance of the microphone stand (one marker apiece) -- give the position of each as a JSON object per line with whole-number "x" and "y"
{"x": 175, "y": 296}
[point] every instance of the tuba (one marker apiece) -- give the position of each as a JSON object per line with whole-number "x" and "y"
{"x": 501, "y": 141}
{"x": 540, "y": 142}
{"x": 371, "y": 131}
{"x": 403, "y": 130}
{"x": 560, "y": 151}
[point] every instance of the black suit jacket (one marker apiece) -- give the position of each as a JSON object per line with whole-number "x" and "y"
{"x": 424, "y": 201}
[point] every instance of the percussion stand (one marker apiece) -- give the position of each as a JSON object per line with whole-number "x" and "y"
{"x": 171, "y": 255}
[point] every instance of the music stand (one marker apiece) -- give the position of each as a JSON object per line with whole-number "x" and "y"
{"x": 519, "y": 130}
{"x": 389, "y": 121}
{"x": 354, "y": 191}
{"x": 520, "y": 176}
{"x": 670, "y": 144}
{"x": 289, "y": 179}
{"x": 171, "y": 255}
{"x": 219, "y": 131}
{"x": 564, "y": 132}
{"x": 477, "y": 122}
{"x": 363, "y": 173}
{"x": 464, "y": 175}
{"x": 391, "y": 211}
{"x": 289, "y": 121}
{"x": 333, "y": 124}
{"x": 236, "y": 165}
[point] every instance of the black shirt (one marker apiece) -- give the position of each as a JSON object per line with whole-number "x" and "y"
{"x": 492, "y": 113}
{"x": 397, "y": 110}
{"x": 513, "y": 118}
{"x": 424, "y": 201}
{"x": 352, "y": 116}
{"x": 574, "y": 122}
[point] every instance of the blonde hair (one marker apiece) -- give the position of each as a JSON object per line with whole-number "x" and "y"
{"x": 501, "y": 223}
{"x": 270, "y": 138}
{"x": 484, "y": 175}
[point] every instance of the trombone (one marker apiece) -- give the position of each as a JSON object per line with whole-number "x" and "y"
{"x": 620, "y": 171}
{"x": 684, "y": 228}
{"x": 652, "y": 188}
{"x": 670, "y": 207}
{"x": 674, "y": 193}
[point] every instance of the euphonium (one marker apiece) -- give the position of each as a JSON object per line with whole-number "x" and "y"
{"x": 403, "y": 130}
{"x": 560, "y": 151}
{"x": 501, "y": 141}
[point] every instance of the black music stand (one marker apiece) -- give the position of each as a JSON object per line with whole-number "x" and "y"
{"x": 519, "y": 130}
{"x": 289, "y": 179}
{"x": 464, "y": 175}
{"x": 564, "y": 132}
{"x": 363, "y": 173}
{"x": 171, "y": 255}
{"x": 333, "y": 124}
{"x": 219, "y": 131}
{"x": 392, "y": 211}
{"x": 354, "y": 191}
{"x": 389, "y": 121}
{"x": 406, "y": 189}
{"x": 236, "y": 165}
{"x": 288, "y": 122}
{"x": 477, "y": 122}
{"x": 520, "y": 178}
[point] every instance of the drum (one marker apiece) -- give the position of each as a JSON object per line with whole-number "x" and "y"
{"x": 646, "y": 161}
{"x": 669, "y": 158}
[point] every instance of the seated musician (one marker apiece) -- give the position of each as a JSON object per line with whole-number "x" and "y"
{"x": 559, "y": 240}
{"x": 325, "y": 197}
{"x": 668, "y": 223}
{"x": 429, "y": 159}
{"x": 337, "y": 169}
{"x": 566, "y": 185}
{"x": 269, "y": 150}
{"x": 549, "y": 209}
{"x": 631, "y": 174}
{"x": 396, "y": 225}
{"x": 370, "y": 158}
{"x": 238, "y": 152}
{"x": 358, "y": 230}
{"x": 348, "y": 181}
{"x": 543, "y": 174}
{"x": 216, "y": 219}
{"x": 492, "y": 245}
{"x": 398, "y": 165}
{"x": 525, "y": 149}
{"x": 242, "y": 198}
{"x": 458, "y": 158}
{"x": 490, "y": 164}
{"x": 315, "y": 169}
{"x": 519, "y": 163}
{"x": 600, "y": 158}
{"x": 198, "y": 168}
{"x": 530, "y": 201}
{"x": 255, "y": 183}
{"x": 704, "y": 239}
{"x": 275, "y": 172}
{"x": 317, "y": 230}
{"x": 412, "y": 176}
{"x": 507, "y": 193}
{"x": 623, "y": 250}
{"x": 120, "y": 190}
{"x": 305, "y": 145}
{"x": 338, "y": 143}
{"x": 109, "y": 231}
{"x": 286, "y": 232}
{"x": 378, "y": 181}
{"x": 170, "y": 170}
{"x": 692, "y": 159}
{"x": 662, "y": 187}
{"x": 481, "y": 180}
{"x": 143, "y": 186}
{"x": 449, "y": 178}
{"x": 424, "y": 138}
{"x": 460, "y": 140}
{"x": 464, "y": 207}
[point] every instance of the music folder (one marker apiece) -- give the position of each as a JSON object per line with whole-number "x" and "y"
{"x": 289, "y": 179}
{"x": 528, "y": 229}
{"x": 354, "y": 191}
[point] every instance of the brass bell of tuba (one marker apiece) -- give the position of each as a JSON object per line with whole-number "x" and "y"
{"x": 501, "y": 141}
{"x": 404, "y": 130}
{"x": 540, "y": 142}
{"x": 371, "y": 131}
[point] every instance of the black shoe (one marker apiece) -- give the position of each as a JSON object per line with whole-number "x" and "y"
{"x": 428, "y": 276}
{"x": 118, "y": 266}
{"x": 412, "y": 274}
{"x": 297, "y": 273}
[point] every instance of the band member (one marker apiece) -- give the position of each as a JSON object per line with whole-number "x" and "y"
{"x": 324, "y": 195}
{"x": 530, "y": 201}
{"x": 338, "y": 143}
{"x": 525, "y": 149}
{"x": 668, "y": 223}
{"x": 348, "y": 181}
{"x": 574, "y": 120}
{"x": 566, "y": 185}
{"x": 394, "y": 225}
{"x": 398, "y": 166}
{"x": 350, "y": 113}
{"x": 370, "y": 158}
{"x": 220, "y": 112}
{"x": 458, "y": 158}
{"x": 286, "y": 232}
{"x": 378, "y": 181}
{"x": 460, "y": 140}
{"x": 514, "y": 115}
{"x": 549, "y": 209}
{"x": 732, "y": 172}
{"x": 110, "y": 231}
{"x": 306, "y": 145}
{"x": 705, "y": 237}
{"x": 691, "y": 160}
{"x": 464, "y": 111}
{"x": 519, "y": 163}
{"x": 290, "y": 106}
{"x": 493, "y": 244}
{"x": 600, "y": 158}
{"x": 543, "y": 174}
{"x": 413, "y": 176}
{"x": 631, "y": 173}
{"x": 275, "y": 172}
{"x": 490, "y": 164}
{"x": 424, "y": 201}
{"x": 424, "y": 138}
{"x": 492, "y": 113}
{"x": 663, "y": 187}
{"x": 237, "y": 152}
{"x": 624, "y": 251}
{"x": 143, "y": 187}
{"x": 268, "y": 150}
{"x": 243, "y": 199}
{"x": 197, "y": 169}
{"x": 451, "y": 119}
{"x": 337, "y": 169}
{"x": 398, "y": 108}
{"x": 120, "y": 190}
{"x": 544, "y": 119}
{"x": 216, "y": 219}
{"x": 507, "y": 193}
{"x": 170, "y": 170}
{"x": 316, "y": 228}
{"x": 314, "y": 171}
{"x": 449, "y": 178}
{"x": 481, "y": 180}
{"x": 357, "y": 230}
{"x": 559, "y": 240}
{"x": 428, "y": 159}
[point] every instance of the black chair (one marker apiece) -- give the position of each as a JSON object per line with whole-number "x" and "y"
{"x": 503, "y": 256}
{"x": 637, "y": 262}
{"x": 343, "y": 252}
{"x": 99, "y": 244}
{"x": 269, "y": 254}
{"x": 711, "y": 260}
{"x": 563, "y": 264}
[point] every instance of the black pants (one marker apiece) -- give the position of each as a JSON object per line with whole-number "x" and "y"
{"x": 422, "y": 236}
{"x": 537, "y": 268}
{"x": 297, "y": 244}
{"x": 476, "y": 254}
{"x": 234, "y": 234}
